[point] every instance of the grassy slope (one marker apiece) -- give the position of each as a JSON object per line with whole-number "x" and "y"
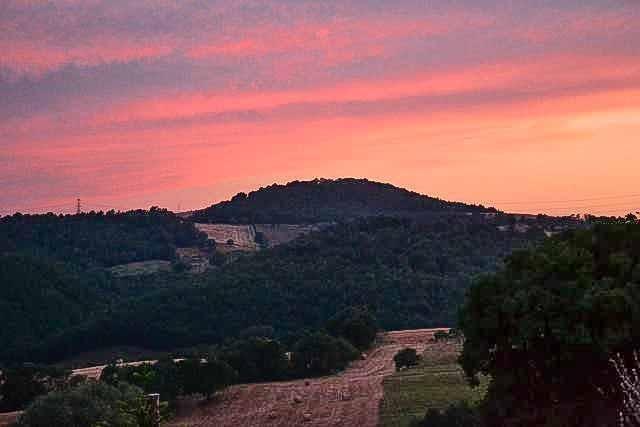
{"x": 435, "y": 383}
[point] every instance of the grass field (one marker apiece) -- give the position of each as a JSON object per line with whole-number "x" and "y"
{"x": 435, "y": 383}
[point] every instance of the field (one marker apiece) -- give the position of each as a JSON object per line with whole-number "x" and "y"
{"x": 243, "y": 237}
{"x": 277, "y": 234}
{"x": 230, "y": 237}
{"x": 368, "y": 394}
{"x": 351, "y": 398}
{"x": 435, "y": 383}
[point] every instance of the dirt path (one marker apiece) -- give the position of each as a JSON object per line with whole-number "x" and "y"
{"x": 351, "y": 398}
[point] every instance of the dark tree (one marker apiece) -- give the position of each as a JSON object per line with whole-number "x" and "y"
{"x": 545, "y": 327}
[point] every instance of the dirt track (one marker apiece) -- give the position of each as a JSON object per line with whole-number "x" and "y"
{"x": 351, "y": 398}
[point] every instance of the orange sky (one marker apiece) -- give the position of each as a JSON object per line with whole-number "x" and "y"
{"x": 533, "y": 107}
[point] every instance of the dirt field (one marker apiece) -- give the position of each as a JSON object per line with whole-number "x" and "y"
{"x": 243, "y": 236}
{"x": 349, "y": 399}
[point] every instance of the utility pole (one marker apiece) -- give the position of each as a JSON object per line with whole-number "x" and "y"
{"x": 78, "y": 207}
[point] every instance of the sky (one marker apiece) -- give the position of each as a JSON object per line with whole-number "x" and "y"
{"x": 529, "y": 106}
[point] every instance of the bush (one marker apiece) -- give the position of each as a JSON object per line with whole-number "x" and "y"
{"x": 87, "y": 405}
{"x": 257, "y": 359}
{"x": 356, "y": 324}
{"x": 406, "y": 358}
{"x": 21, "y": 385}
{"x": 321, "y": 354}
{"x": 172, "y": 379}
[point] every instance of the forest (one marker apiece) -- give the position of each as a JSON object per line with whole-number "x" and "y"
{"x": 98, "y": 239}
{"x": 408, "y": 273}
{"x": 326, "y": 200}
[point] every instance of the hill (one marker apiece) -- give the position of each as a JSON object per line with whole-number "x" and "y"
{"x": 98, "y": 239}
{"x": 325, "y": 200}
{"x": 409, "y": 273}
{"x": 54, "y": 269}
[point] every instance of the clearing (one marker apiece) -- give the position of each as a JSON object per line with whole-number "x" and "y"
{"x": 435, "y": 383}
{"x": 351, "y": 398}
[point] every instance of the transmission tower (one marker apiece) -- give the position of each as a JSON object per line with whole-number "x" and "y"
{"x": 78, "y": 207}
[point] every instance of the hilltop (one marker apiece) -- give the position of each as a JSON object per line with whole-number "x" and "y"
{"x": 121, "y": 278}
{"x": 326, "y": 200}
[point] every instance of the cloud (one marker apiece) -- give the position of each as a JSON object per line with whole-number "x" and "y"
{"x": 132, "y": 100}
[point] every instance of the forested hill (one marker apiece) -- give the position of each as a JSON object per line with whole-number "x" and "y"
{"x": 53, "y": 272}
{"x": 325, "y": 200}
{"x": 98, "y": 239}
{"x": 409, "y": 273}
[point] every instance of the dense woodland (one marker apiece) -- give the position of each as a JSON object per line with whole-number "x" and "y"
{"x": 98, "y": 238}
{"x": 52, "y": 268}
{"x": 325, "y": 200}
{"x": 410, "y": 274}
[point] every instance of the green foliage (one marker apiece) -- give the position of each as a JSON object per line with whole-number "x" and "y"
{"x": 205, "y": 377}
{"x": 87, "y": 405}
{"x": 20, "y": 385}
{"x": 257, "y": 359}
{"x": 52, "y": 272}
{"x": 409, "y": 274}
{"x": 546, "y": 325}
{"x": 38, "y": 298}
{"x": 171, "y": 379}
{"x": 97, "y": 238}
{"x": 406, "y": 358}
{"x": 320, "y": 354}
{"x": 325, "y": 200}
{"x": 435, "y": 383}
{"x": 355, "y": 324}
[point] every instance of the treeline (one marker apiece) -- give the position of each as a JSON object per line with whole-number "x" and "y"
{"x": 98, "y": 238}
{"x": 411, "y": 274}
{"x": 256, "y": 359}
{"x": 325, "y": 200}
{"x": 253, "y": 357}
{"x": 546, "y": 328}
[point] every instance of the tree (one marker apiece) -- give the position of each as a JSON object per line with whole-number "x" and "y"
{"x": 257, "y": 359}
{"x": 321, "y": 354}
{"x": 215, "y": 375}
{"x": 545, "y": 327}
{"x": 20, "y": 385}
{"x": 89, "y": 404}
{"x": 406, "y": 358}
{"x": 356, "y": 324}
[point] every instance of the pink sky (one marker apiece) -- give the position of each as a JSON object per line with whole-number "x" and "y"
{"x": 531, "y": 107}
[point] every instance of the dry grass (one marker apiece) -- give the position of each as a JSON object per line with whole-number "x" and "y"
{"x": 351, "y": 398}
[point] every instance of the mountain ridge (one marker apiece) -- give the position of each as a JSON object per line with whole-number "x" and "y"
{"x": 326, "y": 200}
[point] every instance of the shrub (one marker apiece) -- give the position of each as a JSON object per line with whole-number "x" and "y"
{"x": 406, "y": 358}
{"x": 321, "y": 354}
{"x": 19, "y": 386}
{"x": 356, "y": 324}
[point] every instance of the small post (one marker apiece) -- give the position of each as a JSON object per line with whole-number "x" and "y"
{"x": 153, "y": 405}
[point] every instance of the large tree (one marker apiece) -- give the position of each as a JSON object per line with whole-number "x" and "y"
{"x": 545, "y": 327}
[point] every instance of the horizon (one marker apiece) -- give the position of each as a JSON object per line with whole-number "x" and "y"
{"x": 533, "y": 107}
